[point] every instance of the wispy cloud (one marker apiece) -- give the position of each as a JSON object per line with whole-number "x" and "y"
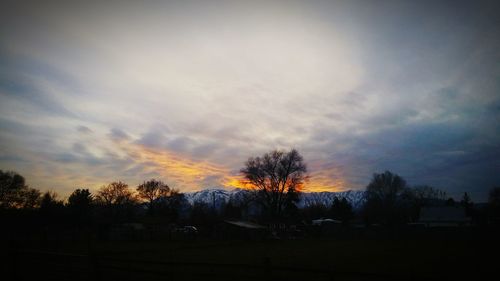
{"x": 92, "y": 92}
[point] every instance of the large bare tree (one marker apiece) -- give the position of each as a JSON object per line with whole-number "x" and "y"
{"x": 153, "y": 190}
{"x": 115, "y": 193}
{"x": 386, "y": 199}
{"x": 276, "y": 177}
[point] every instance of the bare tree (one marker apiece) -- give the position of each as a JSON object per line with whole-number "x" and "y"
{"x": 30, "y": 198}
{"x": 494, "y": 197}
{"x": 11, "y": 184}
{"x": 427, "y": 195}
{"x": 14, "y": 193}
{"x": 494, "y": 205}
{"x": 386, "y": 187}
{"x": 50, "y": 198}
{"x": 385, "y": 198}
{"x": 50, "y": 205}
{"x": 115, "y": 193}
{"x": 153, "y": 190}
{"x": 276, "y": 177}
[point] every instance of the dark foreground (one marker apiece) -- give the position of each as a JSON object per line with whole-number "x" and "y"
{"x": 463, "y": 254}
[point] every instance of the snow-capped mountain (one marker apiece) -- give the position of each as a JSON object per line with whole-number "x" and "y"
{"x": 217, "y": 197}
{"x": 355, "y": 197}
{"x": 208, "y": 196}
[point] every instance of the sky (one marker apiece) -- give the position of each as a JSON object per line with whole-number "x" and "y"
{"x": 187, "y": 91}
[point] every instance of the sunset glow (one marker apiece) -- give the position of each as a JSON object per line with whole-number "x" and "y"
{"x": 186, "y": 92}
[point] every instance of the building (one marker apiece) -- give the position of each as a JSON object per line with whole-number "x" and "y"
{"x": 444, "y": 216}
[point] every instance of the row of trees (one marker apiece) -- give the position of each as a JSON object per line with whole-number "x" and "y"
{"x": 112, "y": 203}
{"x": 391, "y": 201}
{"x": 14, "y": 193}
{"x": 276, "y": 179}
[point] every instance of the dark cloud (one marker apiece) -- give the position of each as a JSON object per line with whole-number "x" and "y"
{"x": 80, "y": 148}
{"x": 66, "y": 158}
{"x": 25, "y": 79}
{"x": 9, "y": 158}
{"x": 181, "y": 144}
{"x": 422, "y": 153}
{"x": 117, "y": 134}
{"x": 208, "y": 149}
{"x": 12, "y": 127}
{"x": 211, "y": 181}
{"x": 84, "y": 129}
{"x": 153, "y": 139}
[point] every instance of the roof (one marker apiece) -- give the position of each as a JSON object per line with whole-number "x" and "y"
{"x": 325, "y": 221}
{"x": 245, "y": 224}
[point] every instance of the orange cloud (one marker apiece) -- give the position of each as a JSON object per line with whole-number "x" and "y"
{"x": 235, "y": 181}
{"x": 320, "y": 181}
{"x": 190, "y": 175}
{"x": 324, "y": 177}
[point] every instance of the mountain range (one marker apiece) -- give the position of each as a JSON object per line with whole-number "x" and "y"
{"x": 217, "y": 197}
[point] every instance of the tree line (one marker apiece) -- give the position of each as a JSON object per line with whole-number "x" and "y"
{"x": 276, "y": 180}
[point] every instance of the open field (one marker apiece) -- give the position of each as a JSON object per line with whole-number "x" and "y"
{"x": 452, "y": 258}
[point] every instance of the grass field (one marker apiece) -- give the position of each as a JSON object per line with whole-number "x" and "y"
{"x": 305, "y": 259}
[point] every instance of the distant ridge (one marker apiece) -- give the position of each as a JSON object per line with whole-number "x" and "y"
{"x": 219, "y": 196}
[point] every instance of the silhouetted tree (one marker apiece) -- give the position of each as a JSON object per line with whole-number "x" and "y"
{"x": 202, "y": 214}
{"x": 29, "y": 198}
{"x": 341, "y": 209}
{"x": 427, "y": 195}
{"x": 115, "y": 203}
{"x": 244, "y": 201}
{"x": 494, "y": 197}
{"x": 152, "y": 191}
{"x": 232, "y": 210}
{"x": 80, "y": 198}
{"x": 11, "y": 184}
{"x": 80, "y": 203}
{"x": 291, "y": 211}
{"x": 173, "y": 206}
{"x": 450, "y": 202}
{"x": 115, "y": 193}
{"x": 466, "y": 202}
{"x": 50, "y": 201}
{"x": 276, "y": 177}
{"x": 386, "y": 199}
{"x": 494, "y": 205}
{"x": 51, "y": 208}
{"x": 422, "y": 196}
{"x": 314, "y": 211}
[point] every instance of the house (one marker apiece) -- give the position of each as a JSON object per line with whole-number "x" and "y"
{"x": 444, "y": 216}
{"x": 239, "y": 229}
{"x": 322, "y": 221}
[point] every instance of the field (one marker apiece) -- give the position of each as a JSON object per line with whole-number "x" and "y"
{"x": 468, "y": 256}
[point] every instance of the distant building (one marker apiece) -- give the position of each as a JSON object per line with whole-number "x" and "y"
{"x": 237, "y": 229}
{"x": 444, "y": 216}
{"x": 322, "y": 221}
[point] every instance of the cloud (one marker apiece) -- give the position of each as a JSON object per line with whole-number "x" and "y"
{"x": 118, "y": 134}
{"x": 84, "y": 129}
{"x": 91, "y": 92}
